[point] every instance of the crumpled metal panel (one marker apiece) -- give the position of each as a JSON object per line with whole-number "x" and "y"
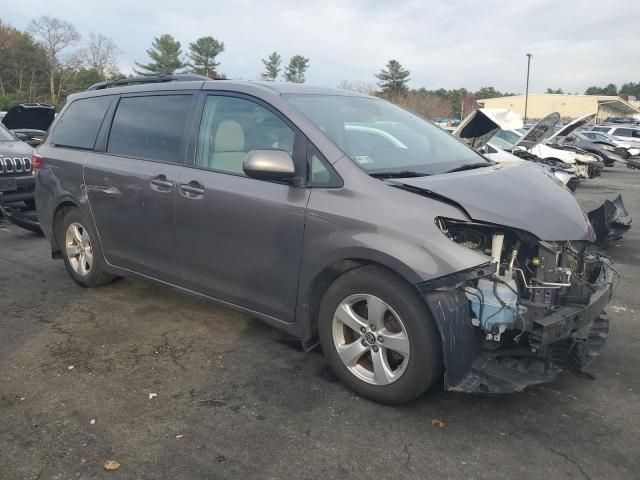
{"x": 610, "y": 221}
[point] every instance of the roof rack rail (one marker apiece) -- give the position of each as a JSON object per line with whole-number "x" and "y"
{"x": 148, "y": 79}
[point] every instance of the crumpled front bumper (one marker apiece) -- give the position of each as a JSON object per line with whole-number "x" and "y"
{"x": 568, "y": 340}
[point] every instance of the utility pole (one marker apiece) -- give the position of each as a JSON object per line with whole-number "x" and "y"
{"x": 526, "y": 94}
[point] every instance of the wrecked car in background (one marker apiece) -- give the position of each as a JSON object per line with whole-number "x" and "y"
{"x": 17, "y": 183}
{"x": 479, "y": 129}
{"x": 608, "y": 152}
{"x": 336, "y": 217}
{"x": 623, "y": 148}
{"x": 532, "y": 142}
{"x": 29, "y": 121}
{"x": 546, "y": 146}
{"x": 23, "y": 127}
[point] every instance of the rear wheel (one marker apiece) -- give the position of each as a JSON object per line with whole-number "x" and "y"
{"x": 82, "y": 256}
{"x": 623, "y": 152}
{"x": 379, "y": 337}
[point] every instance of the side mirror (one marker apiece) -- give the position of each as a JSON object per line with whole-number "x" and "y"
{"x": 22, "y": 136}
{"x": 269, "y": 165}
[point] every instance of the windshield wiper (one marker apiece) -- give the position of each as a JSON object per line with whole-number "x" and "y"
{"x": 396, "y": 174}
{"x": 470, "y": 166}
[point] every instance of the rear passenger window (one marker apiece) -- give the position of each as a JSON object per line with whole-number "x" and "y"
{"x": 231, "y": 127}
{"x": 79, "y": 124}
{"x": 622, "y": 132}
{"x": 150, "y": 127}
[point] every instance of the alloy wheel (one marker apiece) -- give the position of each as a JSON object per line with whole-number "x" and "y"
{"x": 370, "y": 339}
{"x": 78, "y": 249}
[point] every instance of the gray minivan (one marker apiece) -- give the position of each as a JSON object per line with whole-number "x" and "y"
{"x": 337, "y": 217}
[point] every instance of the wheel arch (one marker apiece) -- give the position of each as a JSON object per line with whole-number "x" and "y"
{"x": 312, "y": 291}
{"x": 58, "y": 215}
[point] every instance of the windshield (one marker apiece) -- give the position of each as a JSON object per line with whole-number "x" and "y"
{"x": 381, "y": 137}
{"x": 501, "y": 142}
{"x": 507, "y": 136}
{"x": 5, "y": 135}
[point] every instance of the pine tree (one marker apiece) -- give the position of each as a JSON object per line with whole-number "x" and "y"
{"x": 203, "y": 53}
{"x": 393, "y": 78}
{"x": 165, "y": 54}
{"x": 272, "y": 67}
{"x": 294, "y": 72}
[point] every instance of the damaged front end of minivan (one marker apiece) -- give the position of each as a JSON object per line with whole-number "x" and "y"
{"x": 535, "y": 311}
{"x": 535, "y": 307}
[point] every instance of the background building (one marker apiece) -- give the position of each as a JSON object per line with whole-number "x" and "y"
{"x": 569, "y": 106}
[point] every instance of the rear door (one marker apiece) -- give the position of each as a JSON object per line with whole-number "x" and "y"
{"x": 240, "y": 239}
{"x": 626, "y": 134}
{"x": 131, "y": 186}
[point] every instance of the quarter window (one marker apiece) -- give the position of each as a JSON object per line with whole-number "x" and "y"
{"x": 151, "y": 127}
{"x": 319, "y": 172}
{"x": 79, "y": 124}
{"x": 231, "y": 127}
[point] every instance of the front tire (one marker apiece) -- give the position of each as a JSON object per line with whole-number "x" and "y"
{"x": 81, "y": 252}
{"x": 379, "y": 336}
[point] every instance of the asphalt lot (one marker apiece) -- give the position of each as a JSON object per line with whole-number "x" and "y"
{"x": 237, "y": 399}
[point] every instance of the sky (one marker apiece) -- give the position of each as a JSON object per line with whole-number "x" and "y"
{"x": 452, "y": 44}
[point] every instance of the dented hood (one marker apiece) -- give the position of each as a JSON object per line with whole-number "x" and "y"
{"x": 482, "y": 124}
{"x": 565, "y": 131}
{"x": 517, "y": 195}
{"x": 540, "y": 132}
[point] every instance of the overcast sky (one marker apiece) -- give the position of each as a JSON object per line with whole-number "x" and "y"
{"x": 446, "y": 44}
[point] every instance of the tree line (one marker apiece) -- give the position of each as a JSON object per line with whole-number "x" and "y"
{"x": 393, "y": 84}
{"x": 50, "y": 60}
{"x": 167, "y": 57}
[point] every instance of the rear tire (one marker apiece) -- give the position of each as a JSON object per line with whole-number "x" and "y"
{"x": 81, "y": 251}
{"x": 368, "y": 304}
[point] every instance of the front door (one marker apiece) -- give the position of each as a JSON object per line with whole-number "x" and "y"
{"x": 132, "y": 186}
{"x": 240, "y": 239}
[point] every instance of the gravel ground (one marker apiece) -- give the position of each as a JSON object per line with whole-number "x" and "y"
{"x": 237, "y": 399}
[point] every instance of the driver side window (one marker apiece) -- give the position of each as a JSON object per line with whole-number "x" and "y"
{"x": 231, "y": 127}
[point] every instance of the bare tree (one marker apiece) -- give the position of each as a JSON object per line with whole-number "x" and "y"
{"x": 54, "y": 35}
{"x": 100, "y": 54}
{"x": 426, "y": 105}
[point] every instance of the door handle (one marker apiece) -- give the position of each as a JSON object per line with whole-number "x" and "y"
{"x": 161, "y": 181}
{"x": 192, "y": 189}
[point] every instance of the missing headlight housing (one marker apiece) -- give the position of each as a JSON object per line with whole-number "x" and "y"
{"x": 529, "y": 278}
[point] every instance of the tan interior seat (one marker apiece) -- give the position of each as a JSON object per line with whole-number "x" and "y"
{"x": 228, "y": 147}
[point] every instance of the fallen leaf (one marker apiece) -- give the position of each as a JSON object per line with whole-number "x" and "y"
{"x": 111, "y": 465}
{"x": 436, "y": 422}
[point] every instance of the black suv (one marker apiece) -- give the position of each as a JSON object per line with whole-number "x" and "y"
{"x": 16, "y": 181}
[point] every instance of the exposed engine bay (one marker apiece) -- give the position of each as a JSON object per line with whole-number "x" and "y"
{"x": 539, "y": 313}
